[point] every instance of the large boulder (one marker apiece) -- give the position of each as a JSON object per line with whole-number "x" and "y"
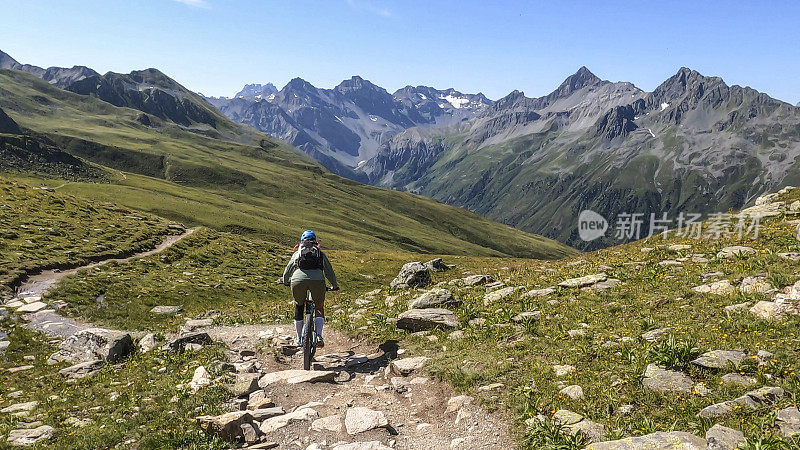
{"x": 437, "y": 265}
{"x": 435, "y": 298}
{"x": 413, "y": 274}
{"x": 30, "y": 436}
{"x": 296, "y": 376}
{"x": 92, "y": 344}
{"x": 425, "y": 319}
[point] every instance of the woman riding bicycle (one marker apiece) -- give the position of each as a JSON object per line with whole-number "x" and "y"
{"x": 306, "y": 272}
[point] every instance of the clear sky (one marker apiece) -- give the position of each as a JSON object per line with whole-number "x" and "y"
{"x": 216, "y": 46}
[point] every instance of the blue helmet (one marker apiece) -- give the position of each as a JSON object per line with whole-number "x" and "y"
{"x": 308, "y": 235}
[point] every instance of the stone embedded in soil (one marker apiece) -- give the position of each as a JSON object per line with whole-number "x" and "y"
{"x": 245, "y": 384}
{"x": 662, "y": 380}
{"x": 769, "y": 310}
{"x": 371, "y": 445}
{"x": 82, "y": 370}
{"x": 295, "y": 376}
{"x": 262, "y": 414}
{"x": 179, "y": 343}
{"x": 227, "y": 427}
{"x": 534, "y": 293}
{"x": 17, "y": 407}
{"x": 574, "y": 392}
{"x": 763, "y": 396}
{"x": 720, "y": 359}
{"x": 164, "y": 309}
{"x": 275, "y": 423}
{"x": 654, "y": 441}
{"x": 148, "y": 342}
{"x": 200, "y": 379}
{"x": 32, "y": 307}
{"x": 500, "y": 294}
{"x": 456, "y": 403}
{"x": 30, "y": 436}
{"x": 563, "y": 370}
{"x": 720, "y": 287}
{"x": 723, "y": 438}
{"x": 434, "y": 298}
{"x": 583, "y": 281}
{"x": 332, "y": 424}
{"x": 576, "y": 423}
{"x": 474, "y": 280}
{"x": 735, "y": 250}
{"x": 425, "y": 319}
{"x": 437, "y": 265}
{"x": 757, "y": 285}
{"x": 407, "y": 366}
{"x": 735, "y": 378}
{"x": 360, "y": 419}
{"x": 527, "y": 316}
{"x": 656, "y": 335}
{"x": 788, "y": 421}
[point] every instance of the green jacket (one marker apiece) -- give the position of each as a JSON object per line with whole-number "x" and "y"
{"x": 292, "y": 273}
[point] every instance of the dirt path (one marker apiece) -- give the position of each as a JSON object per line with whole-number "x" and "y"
{"x": 415, "y": 406}
{"x": 36, "y": 286}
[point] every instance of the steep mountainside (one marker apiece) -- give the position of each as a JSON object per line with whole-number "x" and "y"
{"x": 343, "y": 127}
{"x": 694, "y": 144}
{"x": 263, "y": 188}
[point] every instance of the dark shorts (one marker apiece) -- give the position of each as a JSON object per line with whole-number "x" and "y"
{"x": 317, "y": 289}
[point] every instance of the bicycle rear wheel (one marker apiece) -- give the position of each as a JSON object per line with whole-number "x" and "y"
{"x": 308, "y": 340}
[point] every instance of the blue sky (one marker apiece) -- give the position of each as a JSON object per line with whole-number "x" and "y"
{"x": 216, "y": 46}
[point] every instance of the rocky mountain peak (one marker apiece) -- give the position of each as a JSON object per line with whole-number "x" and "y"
{"x": 7, "y": 62}
{"x": 255, "y": 90}
{"x": 356, "y": 83}
{"x": 580, "y": 79}
{"x": 515, "y": 98}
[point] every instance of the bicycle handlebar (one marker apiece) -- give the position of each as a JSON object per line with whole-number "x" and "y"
{"x": 327, "y": 288}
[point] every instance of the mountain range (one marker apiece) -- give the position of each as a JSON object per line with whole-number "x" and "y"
{"x": 344, "y": 126}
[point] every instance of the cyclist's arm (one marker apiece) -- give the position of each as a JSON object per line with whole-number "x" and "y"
{"x": 290, "y": 267}
{"x": 328, "y": 270}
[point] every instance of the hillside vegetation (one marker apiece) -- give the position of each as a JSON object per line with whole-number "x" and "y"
{"x": 244, "y": 181}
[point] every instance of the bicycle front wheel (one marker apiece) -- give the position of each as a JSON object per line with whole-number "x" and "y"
{"x": 308, "y": 341}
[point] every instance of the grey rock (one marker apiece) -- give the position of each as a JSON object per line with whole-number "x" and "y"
{"x": 788, "y": 421}
{"x": 406, "y": 366}
{"x": 720, "y": 287}
{"x": 179, "y": 343}
{"x": 723, "y": 438}
{"x": 295, "y": 376}
{"x": 770, "y": 310}
{"x": 332, "y": 424}
{"x": 720, "y": 359}
{"x": 435, "y": 298}
{"x": 226, "y": 427}
{"x": 534, "y": 293}
{"x": 656, "y": 335}
{"x": 147, "y": 342}
{"x": 576, "y": 423}
{"x": 94, "y": 343}
{"x": 413, "y": 274}
{"x": 262, "y": 414}
{"x": 425, "y": 319}
{"x": 360, "y": 419}
{"x": 437, "y": 265}
{"x": 163, "y": 309}
{"x": 735, "y": 250}
{"x": 662, "y": 380}
{"x": 563, "y": 370}
{"x": 30, "y": 436}
{"x": 245, "y": 384}
{"x": 474, "y": 280}
{"x": 500, "y": 294}
{"x": 655, "y": 441}
{"x": 275, "y": 423}
{"x": 574, "y": 392}
{"x": 82, "y": 370}
{"x": 583, "y": 281}
{"x": 18, "y": 407}
{"x": 735, "y": 378}
{"x": 527, "y": 316}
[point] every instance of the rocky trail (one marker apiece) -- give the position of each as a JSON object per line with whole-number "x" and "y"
{"x": 359, "y": 395}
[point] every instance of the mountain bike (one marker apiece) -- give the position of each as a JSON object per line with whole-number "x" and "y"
{"x": 309, "y": 337}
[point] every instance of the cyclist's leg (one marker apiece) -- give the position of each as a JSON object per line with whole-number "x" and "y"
{"x": 299, "y": 289}
{"x": 317, "y": 289}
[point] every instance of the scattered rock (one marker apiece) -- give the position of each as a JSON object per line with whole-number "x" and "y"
{"x": 757, "y": 285}
{"x": 474, "y": 280}
{"x": 30, "y": 436}
{"x": 162, "y": 309}
{"x": 574, "y": 392}
{"x": 737, "y": 308}
{"x": 278, "y": 422}
{"x": 500, "y": 294}
{"x": 245, "y": 384}
{"x": 296, "y": 376}
{"x": 576, "y": 423}
{"x": 583, "y": 281}
{"x": 18, "y": 407}
{"x": 656, "y": 335}
{"x": 179, "y": 343}
{"x": 723, "y": 438}
{"x": 94, "y": 343}
{"x": 262, "y": 414}
{"x": 456, "y": 403}
{"x": 435, "y": 298}
{"x": 193, "y": 324}
{"x": 720, "y": 287}
{"x": 662, "y": 380}
{"x": 147, "y": 342}
{"x": 735, "y": 378}
{"x": 227, "y": 427}
{"x": 720, "y": 359}
{"x": 534, "y": 293}
{"x": 82, "y": 370}
{"x": 735, "y": 250}
{"x": 678, "y": 247}
{"x": 788, "y": 421}
{"x": 330, "y": 423}
{"x": 527, "y": 316}
{"x": 32, "y": 307}
{"x": 655, "y": 441}
{"x": 425, "y": 319}
{"x": 769, "y": 310}
{"x": 563, "y": 370}
{"x": 371, "y": 445}
{"x": 407, "y": 366}
{"x": 413, "y": 274}
{"x": 359, "y": 419}
{"x": 200, "y": 379}
{"x": 437, "y": 265}
{"x": 763, "y": 396}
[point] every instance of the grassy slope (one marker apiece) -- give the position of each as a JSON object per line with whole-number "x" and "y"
{"x": 32, "y": 237}
{"x": 266, "y": 190}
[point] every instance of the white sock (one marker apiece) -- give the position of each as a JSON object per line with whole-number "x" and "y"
{"x": 298, "y": 326}
{"x": 319, "y": 322}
